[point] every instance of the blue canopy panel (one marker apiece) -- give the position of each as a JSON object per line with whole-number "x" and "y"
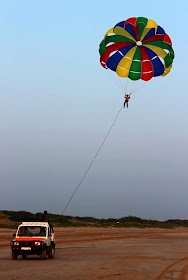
{"x": 120, "y": 24}
{"x": 158, "y": 66}
{"x": 149, "y": 34}
{"x": 129, "y": 29}
{"x": 124, "y": 50}
{"x": 114, "y": 60}
{"x": 160, "y": 30}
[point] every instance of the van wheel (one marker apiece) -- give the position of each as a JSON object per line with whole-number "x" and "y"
{"x": 51, "y": 253}
{"x": 24, "y": 257}
{"x": 43, "y": 254}
{"x": 14, "y": 255}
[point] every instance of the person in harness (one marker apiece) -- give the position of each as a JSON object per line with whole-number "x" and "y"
{"x": 44, "y": 217}
{"x": 127, "y": 97}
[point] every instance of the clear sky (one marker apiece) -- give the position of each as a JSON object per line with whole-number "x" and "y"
{"x": 57, "y": 104}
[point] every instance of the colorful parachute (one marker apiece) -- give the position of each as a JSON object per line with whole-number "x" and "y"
{"x": 137, "y": 48}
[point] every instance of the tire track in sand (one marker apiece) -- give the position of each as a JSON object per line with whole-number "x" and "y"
{"x": 176, "y": 271}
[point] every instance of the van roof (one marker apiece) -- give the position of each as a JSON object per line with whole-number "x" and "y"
{"x": 34, "y": 224}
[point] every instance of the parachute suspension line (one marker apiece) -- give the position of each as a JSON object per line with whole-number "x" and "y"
{"x": 122, "y": 83}
{"x": 87, "y": 170}
{"x": 126, "y": 87}
{"x": 125, "y": 84}
{"x": 137, "y": 84}
{"x": 133, "y": 86}
{"x": 140, "y": 85}
{"x": 118, "y": 83}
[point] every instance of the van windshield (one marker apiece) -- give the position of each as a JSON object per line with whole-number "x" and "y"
{"x": 32, "y": 231}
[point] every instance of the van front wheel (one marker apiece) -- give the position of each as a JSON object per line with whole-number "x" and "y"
{"x": 43, "y": 254}
{"x": 51, "y": 253}
{"x": 14, "y": 255}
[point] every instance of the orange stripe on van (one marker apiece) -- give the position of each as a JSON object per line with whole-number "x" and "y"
{"x": 29, "y": 239}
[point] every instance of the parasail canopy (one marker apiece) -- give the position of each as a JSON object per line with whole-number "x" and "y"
{"x": 137, "y": 48}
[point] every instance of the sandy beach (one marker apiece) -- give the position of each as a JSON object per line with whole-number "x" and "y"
{"x": 103, "y": 253}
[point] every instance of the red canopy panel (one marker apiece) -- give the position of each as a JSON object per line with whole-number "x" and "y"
{"x": 146, "y": 66}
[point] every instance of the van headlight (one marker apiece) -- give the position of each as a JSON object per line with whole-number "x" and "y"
{"x": 37, "y": 243}
{"x": 16, "y": 243}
